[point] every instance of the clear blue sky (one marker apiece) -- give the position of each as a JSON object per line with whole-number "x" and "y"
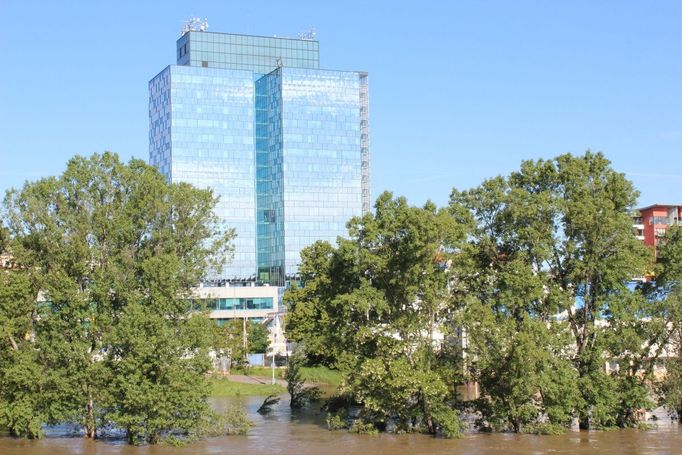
{"x": 459, "y": 91}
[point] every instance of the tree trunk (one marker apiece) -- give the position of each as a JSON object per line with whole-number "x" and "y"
{"x": 89, "y": 427}
{"x": 430, "y": 428}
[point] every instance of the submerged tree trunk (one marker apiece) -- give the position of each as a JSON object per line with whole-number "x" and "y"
{"x": 89, "y": 427}
{"x": 154, "y": 438}
{"x": 426, "y": 416}
{"x": 584, "y": 422}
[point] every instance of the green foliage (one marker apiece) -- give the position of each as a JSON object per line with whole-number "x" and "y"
{"x": 360, "y": 426}
{"x": 599, "y": 391}
{"x": 447, "y": 420}
{"x": 233, "y": 421}
{"x": 22, "y": 409}
{"x": 671, "y": 387}
{"x": 371, "y": 306}
{"x": 669, "y": 260}
{"x": 4, "y": 239}
{"x": 337, "y": 420}
{"x": 157, "y": 386}
{"x": 545, "y": 429}
{"x": 521, "y": 370}
{"x": 257, "y": 338}
{"x": 669, "y": 280}
{"x": 527, "y": 273}
{"x": 552, "y": 233}
{"x": 114, "y": 249}
{"x": 394, "y": 390}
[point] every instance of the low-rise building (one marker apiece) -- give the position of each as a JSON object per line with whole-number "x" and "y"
{"x": 252, "y": 303}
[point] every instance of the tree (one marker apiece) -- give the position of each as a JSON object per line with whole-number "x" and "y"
{"x": 553, "y": 252}
{"x": 257, "y": 337}
{"x": 115, "y": 250}
{"x": 671, "y": 387}
{"x": 372, "y": 306}
{"x": 159, "y": 380}
{"x": 22, "y": 406}
{"x": 515, "y": 346}
{"x": 298, "y": 392}
{"x": 668, "y": 292}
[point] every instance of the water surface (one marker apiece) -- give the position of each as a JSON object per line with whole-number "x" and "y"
{"x": 284, "y": 432}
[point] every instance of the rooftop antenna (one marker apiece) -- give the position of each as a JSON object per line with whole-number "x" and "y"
{"x": 194, "y": 24}
{"x": 308, "y": 35}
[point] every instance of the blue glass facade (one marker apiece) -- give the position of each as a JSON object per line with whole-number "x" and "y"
{"x": 202, "y": 132}
{"x": 284, "y": 144}
{"x": 269, "y": 189}
{"x": 260, "y": 54}
{"x": 321, "y": 157}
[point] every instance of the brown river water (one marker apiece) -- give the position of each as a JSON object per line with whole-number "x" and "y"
{"x": 284, "y": 432}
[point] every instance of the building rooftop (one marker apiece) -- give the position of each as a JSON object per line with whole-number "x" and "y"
{"x": 260, "y": 54}
{"x": 311, "y": 40}
{"x": 658, "y": 205}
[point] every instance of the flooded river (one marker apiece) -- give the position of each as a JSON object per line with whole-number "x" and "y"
{"x": 284, "y": 432}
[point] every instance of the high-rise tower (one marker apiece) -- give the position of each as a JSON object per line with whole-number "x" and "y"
{"x": 284, "y": 143}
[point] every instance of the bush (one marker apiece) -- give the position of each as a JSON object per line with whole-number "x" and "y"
{"x": 337, "y": 421}
{"x": 545, "y": 428}
{"x": 232, "y": 421}
{"x": 644, "y": 426}
{"x": 447, "y": 420}
{"x": 362, "y": 427}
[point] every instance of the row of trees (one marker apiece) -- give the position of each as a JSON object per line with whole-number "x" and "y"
{"x": 96, "y": 322}
{"x": 526, "y": 275}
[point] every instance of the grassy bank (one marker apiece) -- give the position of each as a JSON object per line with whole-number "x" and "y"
{"x": 316, "y": 374}
{"x": 321, "y": 375}
{"x": 223, "y": 387}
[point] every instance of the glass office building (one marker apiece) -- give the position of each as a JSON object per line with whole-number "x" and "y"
{"x": 284, "y": 143}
